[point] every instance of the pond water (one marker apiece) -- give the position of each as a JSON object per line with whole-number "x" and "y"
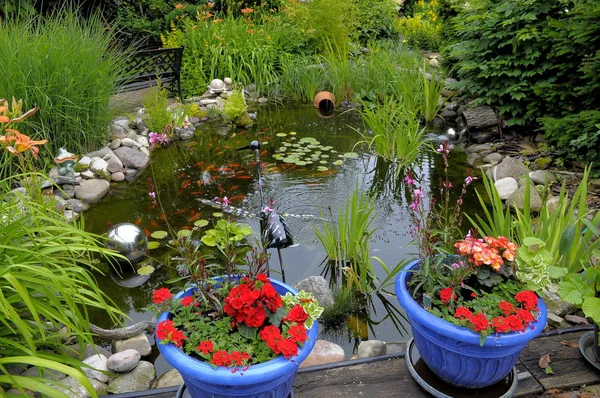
{"x": 185, "y": 172}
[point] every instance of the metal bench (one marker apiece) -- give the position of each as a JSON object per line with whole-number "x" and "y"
{"x": 149, "y": 67}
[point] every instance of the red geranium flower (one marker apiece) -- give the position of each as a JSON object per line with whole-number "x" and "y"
{"x": 164, "y": 328}
{"x": 480, "y": 322}
{"x": 205, "y": 347}
{"x": 297, "y": 334}
{"x": 463, "y": 313}
{"x": 160, "y": 295}
{"x": 528, "y": 298}
{"x": 288, "y": 348}
{"x": 516, "y": 325}
{"x": 446, "y": 295}
{"x": 526, "y": 316}
{"x": 297, "y": 314}
{"x": 506, "y": 307}
{"x": 187, "y": 300}
{"x": 221, "y": 358}
{"x": 500, "y": 324}
{"x": 255, "y": 317}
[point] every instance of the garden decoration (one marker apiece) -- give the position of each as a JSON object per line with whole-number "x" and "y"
{"x": 129, "y": 240}
{"x": 468, "y": 301}
{"x": 236, "y": 336}
{"x": 65, "y": 161}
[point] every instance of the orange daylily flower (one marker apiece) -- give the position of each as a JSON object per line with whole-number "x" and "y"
{"x": 246, "y": 10}
{"x": 178, "y": 5}
{"x": 23, "y": 143}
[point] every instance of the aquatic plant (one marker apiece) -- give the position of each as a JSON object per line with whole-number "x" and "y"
{"x": 234, "y": 106}
{"x": 432, "y": 89}
{"x": 156, "y": 113}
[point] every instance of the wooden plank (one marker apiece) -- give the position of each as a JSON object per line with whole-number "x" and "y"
{"x": 528, "y": 385}
{"x": 380, "y": 379}
{"x": 569, "y": 366}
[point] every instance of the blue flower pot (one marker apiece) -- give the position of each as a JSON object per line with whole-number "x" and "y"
{"x": 272, "y": 379}
{"x": 454, "y": 353}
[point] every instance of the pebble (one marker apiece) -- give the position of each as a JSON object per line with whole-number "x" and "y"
{"x": 117, "y": 176}
{"x": 124, "y": 361}
{"x": 371, "y": 348}
{"x": 169, "y": 379}
{"x": 506, "y": 187}
{"x": 324, "y": 352}
{"x": 98, "y": 362}
{"x": 115, "y": 144}
{"x": 139, "y": 343}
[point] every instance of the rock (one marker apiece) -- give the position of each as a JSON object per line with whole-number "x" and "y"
{"x": 91, "y": 191}
{"x": 117, "y": 176}
{"x": 143, "y": 141}
{"x": 447, "y": 114}
{"x": 493, "y": 158}
{"x": 132, "y": 158}
{"x": 506, "y": 187}
{"x": 49, "y": 374}
{"x": 77, "y": 205}
{"x": 554, "y": 302}
{"x": 88, "y": 174}
{"x": 185, "y": 133}
{"x": 98, "y": 363}
{"x": 509, "y": 167}
{"x": 95, "y": 350}
{"x": 228, "y": 81}
{"x": 555, "y": 320}
{"x": 576, "y": 320}
{"x": 84, "y": 161}
{"x": 395, "y": 347}
{"x": 145, "y": 151}
{"x": 16, "y": 392}
{"x": 324, "y": 352}
{"x": 552, "y": 204}
{"x": 114, "y": 164}
{"x": 60, "y": 205}
{"x": 100, "y": 153}
{"x": 130, "y": 174}
{"x": 518, "y": 199}
{"x": 478, "y": 148}
{"x": 318, "y": 286}
{"x": 371, "y": 348}
{"x": 99, "y": 166}
{"x": 542, "y": 177}
{"x": 139, "y": 379}
{"x": 58, "y": 179}
{"x": 139, "y": 343}
{"x": 434, "y": 62}
{"x": 205, "y": 102}
{"x": 70, "y": 215}
{"x": 67, "y": 191}
{"x": 171, "y": 378}
{"x": 540, "y": 137}
{"x": 438, "y": 123}
{"x": 216, "y": 85}
{"x": 486, "y": 167}
{"x": 262, "y": 100}
{"x": 75, "y": 390}
{"x": 474, "y": 159}
{"x": 128, "y": 142}
{"x": 114, "y": 144}
{"x": 483, "y": 135}
{"x": 124, "y": 361}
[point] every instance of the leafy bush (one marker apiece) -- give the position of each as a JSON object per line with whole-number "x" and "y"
{"x": 375, "y": 19}
{"x": 67, "y": 67}
{"x": 422, "y": 29}
{"x": 235, "y": 105}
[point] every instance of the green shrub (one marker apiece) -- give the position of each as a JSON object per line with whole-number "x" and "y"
{"x": 235, "y": 105}
{"x": 422, "y": 29}
{"x": 156, "y": 114}
{"x": 67, "y": 67}
{"x": 375, "y": 19}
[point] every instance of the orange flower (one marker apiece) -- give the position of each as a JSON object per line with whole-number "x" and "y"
{"x": 178, "y": 5}
{"x": 22, "y": 143}
{"x": 247, "y": 10}
{"x": 210, "y": 4}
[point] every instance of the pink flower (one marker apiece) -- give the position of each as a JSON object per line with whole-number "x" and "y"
{"x": 469, "y": 180}
{"x": 419, "y": 193}
{"x": 410, "y": 181}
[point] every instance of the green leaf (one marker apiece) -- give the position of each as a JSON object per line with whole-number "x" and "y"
{"x": 153, "y": 245}
{"x": 201, "y": 223}
{"x": 248, "y": 332}
{"x": 209, "y": 240}
{"x": 549, "y": 370}
{"x": 159, "y": 234}
{"x": 277, "y": 317}
{"x": 556, "y": 272}
{"x": 570, "y": 293}
{"x": 566, "y": 240}
{"x": 591, "y": 308}
{"x": 184, "y": 233}
{"x": 145, "y": 270}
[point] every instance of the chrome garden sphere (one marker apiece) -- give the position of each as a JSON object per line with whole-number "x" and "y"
{"x": 127, "y": 239}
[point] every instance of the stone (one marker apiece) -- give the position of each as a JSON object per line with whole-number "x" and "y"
{"x": 48, "y": 373}
{"x": 318, "y": 286}
{"x": 77, "y": 205}
{"x": 91, "y": 191}
{"x": 16, "y": 392}
{"x": 114, "y": 164}
{"x": 486, "y": 167}
{"x": 324, "y": 352}
{"x": 576, "y": 320}
{"x": 518, "y": 199}
{"x": 395, "y": 347}
{"x": 67, "y": 191}
{"x": 95, "y": 350}
{"x": 98, "y": 363}
{"x": 99, "y": 166}
{"x": 143, "y": 141}
{"x": 127, "y": 142}
{"x": 114, "y": 144}
{"x": 88, "y": 174}
{"x": 85, "y": 161}
{"x": 506, "y": 187}
{"x": 540, "y": 137}
{"x": 132, "y": 158}
{"x": 542, "y": 177}
{"x": 474, "y": 159}
{"x": 552, "y": 204}
{"x": 117, "y": 176}
{"x": 438, "y": 123}
{"x": 58, "y": 179}
{"x": 434, "y": 62}
{"x": 493, "y": 157}
{"x": 484, "y": 135}
{"x": 554, "y": 302}
{"x": 262, "y": 100}
{"x": 124, "y": 361}
{"x": 371, "y": 348}
{"x": 70, "y": 215}
{"x": 145, "y": 151}
{"x": 139, "y": 343}
{"x": 139, "y": 379}
{"x": 447, "y": 114}
{"x": 509, "y": 167}
{"x": 170, "y": 378}
{"x": 75, "y": 390}
{"x": 205, "y": 102}
{"x": 228, "y": 81}
{"x": 185, "y": 133}
{"x": 130, "y": 174}
{"x": 478, "y": 148}
{"x": 100, "y": 153}
{"x": 555, "y": 320}
{"x": 60, "y": 205}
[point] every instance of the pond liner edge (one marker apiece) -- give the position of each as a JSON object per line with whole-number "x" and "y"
{"x": 350, "y": 362}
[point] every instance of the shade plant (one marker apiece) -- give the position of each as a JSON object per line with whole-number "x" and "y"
{"x": 470, "y": 289}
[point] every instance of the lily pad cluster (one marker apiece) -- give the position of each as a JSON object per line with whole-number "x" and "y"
{"x": 306, "y": 151}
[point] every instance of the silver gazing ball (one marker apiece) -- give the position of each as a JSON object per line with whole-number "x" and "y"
{"x": 129, "y": 240}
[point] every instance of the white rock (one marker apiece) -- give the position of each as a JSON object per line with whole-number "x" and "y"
{"x": 99, "y": 166}
{"x": 117, "y": 176}
{"x": 542, "y": 177}
{"x": 139, "y": 343}
{"x": 371, "y": 348}
{"x": 88, "y": 174}
{"x": 324, "y": 352}
{"x": 99, "y": 364}
{"x": 124, "y": 361}
{"x": 85, "y": 161}
{"x": 143, "y": 141}
{"x": 91, "y": 191}
{"x": 114, "y": 144}
{"x": 127, "y": 142}
{"x": 145, "y": 151}
{"x": 506, "y": 187}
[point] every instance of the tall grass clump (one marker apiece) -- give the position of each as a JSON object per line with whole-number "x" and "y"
{"x": 301, "y": 78}
{"x": 46, "y": 286}
{"x": 68, "y": 67}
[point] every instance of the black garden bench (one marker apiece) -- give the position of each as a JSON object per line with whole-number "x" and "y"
{"x": 149, "y": 67}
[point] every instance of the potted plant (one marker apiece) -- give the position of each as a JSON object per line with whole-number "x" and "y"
{"x": 471, "y": 312}
{"x": 235, "y": 335}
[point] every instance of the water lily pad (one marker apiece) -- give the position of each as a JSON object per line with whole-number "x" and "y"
{"x": 292, "y": 138}
{"x": 300, "y": 163}
{"x": 153, "y": 245}
{"x": 292, "y": 133}
{"x": 287, "y": 144}
{"x": 338, "y": 162}
{"x": 282, "y": 149}
{"x": 324, "y": 156}
{"x": 201, "y": 223}
{"x": 308, "y": 162}
{"x": 323, "y": 161}
{"x": 159, "y": 234}
{"x": 281, "y": 135}
{"x": 145, "y": 270}
{"x": 184, "y": 233}
{"x": 217, "y": 214}
{"x": 290, "y": 159}
{"x": 350, "y": 155}
{"x": 322, "y": 168}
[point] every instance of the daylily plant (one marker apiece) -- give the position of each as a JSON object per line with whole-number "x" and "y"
{"x": 13, "y": 140}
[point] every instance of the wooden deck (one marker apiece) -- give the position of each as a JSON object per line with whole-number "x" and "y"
{"x": 389, "y": 376}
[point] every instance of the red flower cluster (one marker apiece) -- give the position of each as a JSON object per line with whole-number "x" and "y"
{"x": 296, "y": 314}
{"x": 446, "y": 295}
{"x": 514, "y": 319}
{"x": 186, "y": 301}
{"x": 288, "y": 347}
{"x": 161, "y": 295}
{"x": 249, "y": 301}
{"x": 205, "y": 347}
{"x": 166, "y": 330}
{"x": 488, "y": 251}
{"x": 223, "y": 358}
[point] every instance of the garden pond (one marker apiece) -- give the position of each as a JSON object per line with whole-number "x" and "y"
{"x": 310, "y": 163}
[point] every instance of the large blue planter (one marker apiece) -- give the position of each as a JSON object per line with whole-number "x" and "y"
{"x": 454, "y": 353}
{"x": 272, "y": 379}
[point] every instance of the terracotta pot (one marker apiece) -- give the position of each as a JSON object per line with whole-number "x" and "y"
{"x": 325, "y": 101}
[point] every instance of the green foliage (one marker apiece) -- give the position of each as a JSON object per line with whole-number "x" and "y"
{"x": 534, "y": 263}
{"x": 531, "y": 59}
{"x": 334, "y": 319}
{"x": 234, "y": 105}
{"x": 375, "y": 19}
{"x": 245, "y": 52}
{"x": 431, "y": 95}
{"x": 498, "y": 221}
{"x": 301, "y": 78}
{"x": 46, "y": 284}
{"x": 156, "y": 114}
{"x": 66, "y": 66}
{"x": 422, "y": 29}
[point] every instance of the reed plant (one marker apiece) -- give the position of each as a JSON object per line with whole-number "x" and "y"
{"x": 301, "y": 78}
{"x": 396, "y": 134}
{"x": 432, "y": 90}
{"x": 68, "y": 67}
{"x": 340, "y": 71}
